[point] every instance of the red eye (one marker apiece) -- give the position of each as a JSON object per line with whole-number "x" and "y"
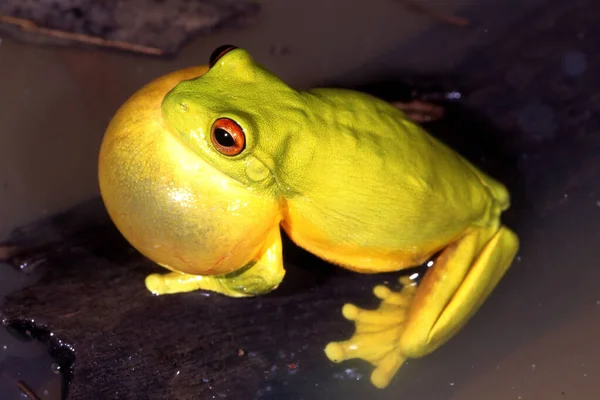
{"x": 228, "y": 137}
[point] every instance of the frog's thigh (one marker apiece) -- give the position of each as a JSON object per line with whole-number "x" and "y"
{"x": 453, "y": 290}
{"x": 415, "y": 321}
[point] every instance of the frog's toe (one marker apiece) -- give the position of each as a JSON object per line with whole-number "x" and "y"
{"x": 386, "y": 369}
{"x": 390, "y": 297}
{"x": 377, "y": 334}
{"x": 383, "y": 354}
{"x": 156, "y": 284}
{"x": 336, "y": 352}
{"x": 361, "y": 346}
{"x": 382, "y": 292}
{"x": 350, "y": 311}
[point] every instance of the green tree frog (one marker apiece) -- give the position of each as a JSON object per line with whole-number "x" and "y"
{"x": 201, "y": 168}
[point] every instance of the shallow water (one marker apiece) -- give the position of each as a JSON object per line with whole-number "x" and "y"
{"x": 535, "y": 338}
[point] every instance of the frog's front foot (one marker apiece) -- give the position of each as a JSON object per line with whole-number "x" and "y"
{"x": 156, "y": 284}
{"x": 258, "y": 277}
{"x": 177, "y": 282}
{"x": 378, "y": 333}
{"x": 248, "y": 281}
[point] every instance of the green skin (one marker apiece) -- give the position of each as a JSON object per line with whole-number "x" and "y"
{"x": 349, "y": 178}
{"x": 341, "y": 157}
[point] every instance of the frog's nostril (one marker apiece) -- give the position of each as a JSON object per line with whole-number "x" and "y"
{"x": 175, "y": 104}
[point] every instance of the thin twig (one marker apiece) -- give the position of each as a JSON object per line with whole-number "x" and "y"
{"x": 420, "y": 111}
{"x": 448, "y": 19}
{"x": 26, "y": 390}
{"x": 6, "y": 252}
{"x": 26, "y": 25}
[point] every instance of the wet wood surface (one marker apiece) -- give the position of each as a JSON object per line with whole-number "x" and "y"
{"x": 527, "y": 115}
{"x": 130, "y": 344}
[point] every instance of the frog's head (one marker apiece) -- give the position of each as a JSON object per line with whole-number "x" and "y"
{"x": 182, "y": 172}
{"x": 238, "y": 117}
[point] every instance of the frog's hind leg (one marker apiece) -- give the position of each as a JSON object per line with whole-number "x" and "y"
{"x": 418, "y": 319}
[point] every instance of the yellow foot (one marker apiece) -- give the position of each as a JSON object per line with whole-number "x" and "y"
{"x": 176, "y": 282}
{"x": 378, "y": 333}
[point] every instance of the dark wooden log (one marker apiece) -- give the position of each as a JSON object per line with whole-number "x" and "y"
{"x": 131, "y": 344}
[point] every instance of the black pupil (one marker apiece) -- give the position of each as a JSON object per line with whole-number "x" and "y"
{"x": 224, "y": 138}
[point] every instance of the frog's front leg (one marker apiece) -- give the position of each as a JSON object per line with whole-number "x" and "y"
{"x": 257, "y": 277}
{"x": 418, "y": 319}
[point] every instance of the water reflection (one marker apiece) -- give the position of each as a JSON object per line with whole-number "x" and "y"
{"x": 25, "y": 364}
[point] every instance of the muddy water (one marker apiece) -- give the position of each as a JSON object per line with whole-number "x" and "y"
{"x": 536, "y": 336}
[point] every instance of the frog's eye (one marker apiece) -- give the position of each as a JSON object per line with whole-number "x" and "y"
{"x": 227, "y": 137}
{"x": 218, "y": 53}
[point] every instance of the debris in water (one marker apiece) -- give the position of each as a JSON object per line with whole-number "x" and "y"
{"x": 421, "y": 9}
{"x": 349, "y": 373}
{"x": 27, "y": 391}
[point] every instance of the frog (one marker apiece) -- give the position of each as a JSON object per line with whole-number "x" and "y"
{"x": 202, "y": 169}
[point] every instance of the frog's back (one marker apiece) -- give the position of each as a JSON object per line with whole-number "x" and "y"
{"x": 378, "y": 193}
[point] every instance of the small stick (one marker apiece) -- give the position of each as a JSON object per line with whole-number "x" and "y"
{"x": 420, "y": 111}
{"x": 26, "y": 390}
{"x": 26, "y": 25}
{"x": 448, "y": 19}
{"x": 6, "y": 252}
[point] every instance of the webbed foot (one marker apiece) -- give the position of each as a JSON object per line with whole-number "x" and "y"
{"x": 378, "y": 333}
{"x": 417, "y": 320}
